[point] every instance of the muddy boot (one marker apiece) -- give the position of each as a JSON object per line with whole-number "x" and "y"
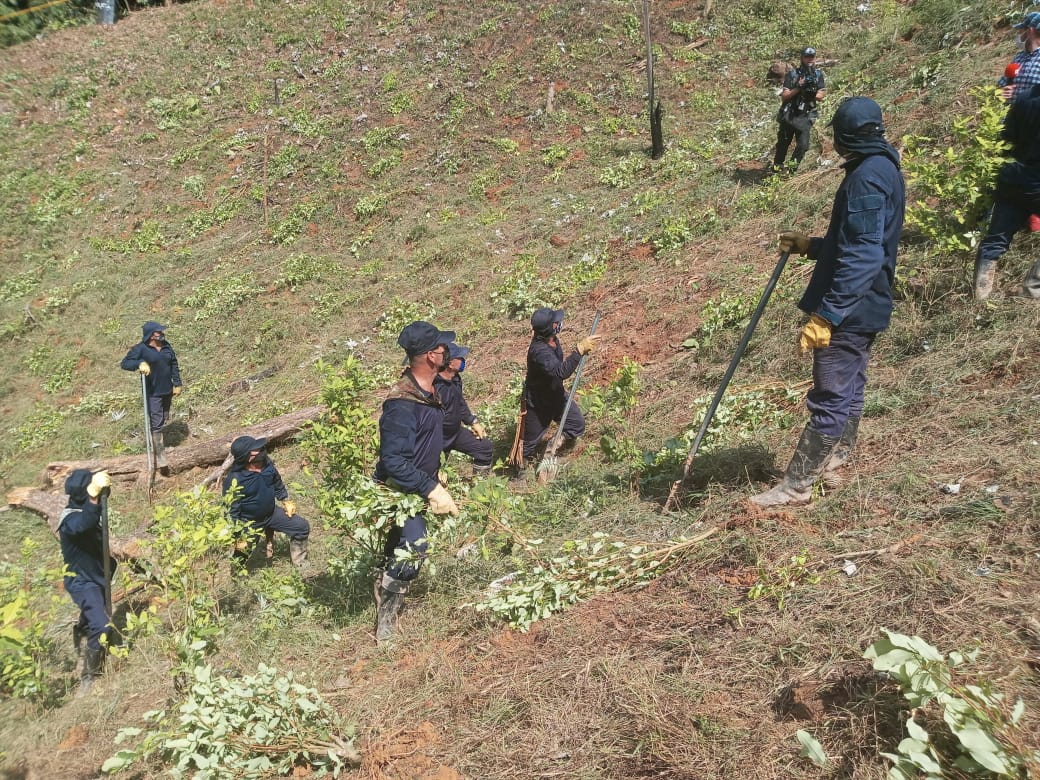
{"x": 813, "y": 451}
{"x": 1031, "y": 284}
{"x": 985, "y": 277}
{"x": 269, "y": 544}
{"x": 479, "y": 472}
{"x": 390, "y": 600}
{"x": 842, "y": 452}
{"x": 78, "y": 635}
{"x": 160, "y": 451}
{"x": 298, "y": 552}
{"x": 93, "y": 660}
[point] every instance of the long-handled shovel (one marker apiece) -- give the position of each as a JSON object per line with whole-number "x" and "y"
{"x": 550, "y": 465}
{"x": 148, "y": 439}
{"x": 106, "y": 557}
{"x": 710, "y": 413}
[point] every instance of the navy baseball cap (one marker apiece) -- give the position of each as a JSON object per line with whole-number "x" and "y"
{"x": 243, "y": 445}
{"x": 543, "y": 319}
{"x": 858, "y": 116}
{"x": 420, "y": 337}
{"x": 1031, "y": 19}
{"x": 457, "y": 351}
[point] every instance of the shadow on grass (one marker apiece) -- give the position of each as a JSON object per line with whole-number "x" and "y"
{"x": 733, "y": 467}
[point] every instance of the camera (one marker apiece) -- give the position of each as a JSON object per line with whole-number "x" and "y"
{"x": 810, "y": 86}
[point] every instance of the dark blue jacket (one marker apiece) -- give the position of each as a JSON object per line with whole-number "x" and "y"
{"x": 546, "y": 370}
{"x": 456, "y": 410}
{"x": 260, "y": 489}
{"x": 851, "y": 285}
{"x": 166, "y": 374}
{"x": 411, "y": 438}
{"x": 80, "y": 535}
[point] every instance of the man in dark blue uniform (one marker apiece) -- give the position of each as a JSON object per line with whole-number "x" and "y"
{"x": 154, "y": 357}
{"x": 260, "y": 485}
{"x": 411, "y": 439}
{"x": 79, "y": 532}
{"x": 471, "y": 440}
{"x": 1017, "y": 194}
{"x": 849, "y": 296}
{"x": 544, "y": 394}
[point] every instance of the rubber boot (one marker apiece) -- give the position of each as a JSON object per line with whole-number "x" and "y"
{"x": 93, "y": 660}
{"x": 842, "y": 452}
{"x": 985, "y": 277}
{"x": 390, "y": 600}
{"x": 812, "y": 454}
{"x": 269, "y": 544}
{"x": 78, "y": 635}
{"x": 160, "y": 450}
{"x": 298, "y": 552}
{"x": 481, "y": 471}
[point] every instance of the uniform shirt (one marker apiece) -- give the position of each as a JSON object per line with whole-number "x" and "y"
{"x": 1028, "y": 74}
{"x": 80, "y": 535}
{"x": 456, "y": 410}
{"x": 851, "y": 284}
{"x": 259, "y": 490}
{"x": 165, "y": 375}
{"x": 411, "y": 438}
{"x": 546, "y": 370}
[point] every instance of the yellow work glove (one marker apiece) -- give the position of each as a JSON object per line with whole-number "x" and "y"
{"x": 98, "y": 482}
{"x": 177, "y": 389}
{"x": 794, "y": 241}
{"x": 144, "y": 368}
{"x": 290, "y": 507}
{"x": 441, "y": 502}
{"x": 478, "y": 429}
{"x": 587, "y": 344}
{"x": 816, "y": 334}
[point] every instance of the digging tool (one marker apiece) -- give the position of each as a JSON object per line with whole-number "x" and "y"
{"x": 106, "y": 554}
{"x": 714, "y": 405}
{"x": 148, "y": 438}
{"x": 550, "y": 465}
{"x": 516, "y": 454}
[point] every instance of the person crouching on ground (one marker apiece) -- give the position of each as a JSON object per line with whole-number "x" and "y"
{"x": 471, "y": 440}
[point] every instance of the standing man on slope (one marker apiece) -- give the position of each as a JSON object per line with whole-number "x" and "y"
{"x": 544, "y": 394}
{"x": 803, "y": 88}
{"x": 411, "y": 439}
{"x": 849, "y": 296}
{"x": 471, "y": 440}
{"x": 154, "y": 357}
{"x": 82, "y": 549}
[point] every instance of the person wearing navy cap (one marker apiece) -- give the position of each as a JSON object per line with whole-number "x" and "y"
{"x": 472, "y": 440}
{"x": 82, "y": 548}
{"x": 154, "y": 357}
{"x": 259, "y": 487}
{"x": 544, "y": 394}
{"x": 848, "y": 298}
{"x": 1027, "y": 74}
{"x": 802, "y": 90}
{"x": 411, "y": 439}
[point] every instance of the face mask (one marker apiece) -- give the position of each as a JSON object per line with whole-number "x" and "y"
{"x": 260, "y": 459}
{"x": 462, "y": 365}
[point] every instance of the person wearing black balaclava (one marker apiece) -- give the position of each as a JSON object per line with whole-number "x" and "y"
{"x": 79, "y": 532}
{"x": 544, "y": 394}
{"x": 258, "y": 485}
{"x": 848, "y": 298}
{"x": 154, "y": 357}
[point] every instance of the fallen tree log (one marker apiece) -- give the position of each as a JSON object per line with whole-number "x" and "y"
{"x": 130, "y": 468}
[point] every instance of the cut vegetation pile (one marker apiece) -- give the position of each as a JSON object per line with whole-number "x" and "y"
{"x": 288, "y": 184}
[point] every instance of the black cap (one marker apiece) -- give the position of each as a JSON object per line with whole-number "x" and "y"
{"x": 243, "y": 445}
{"x": 420, "y": 337}
{"x": 808, "y": 51}
{"x": 860, "y": 116}
{"x": 76, "y": 483}
{"x": 542, "y": 320}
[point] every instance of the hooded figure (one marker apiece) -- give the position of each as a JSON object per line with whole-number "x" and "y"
{"x": 463, "y": 432}
{"x": 80, "y": 534}
{"x": 153, "y": 357}
{"x": 848, "y": 298}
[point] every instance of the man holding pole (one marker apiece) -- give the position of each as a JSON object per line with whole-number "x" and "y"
{"x": 849, "y": 296}
{"x": 155, "y": 360}
{"x": 544, "y": 394}
{"x": 83, "y": 535}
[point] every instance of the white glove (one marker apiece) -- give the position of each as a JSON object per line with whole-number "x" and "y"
{"x": 441, "y": 502}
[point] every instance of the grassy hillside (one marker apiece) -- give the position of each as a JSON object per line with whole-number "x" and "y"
{"x": 288, "y": 183}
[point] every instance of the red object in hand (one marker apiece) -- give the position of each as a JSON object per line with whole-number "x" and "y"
{"x": 1011, "y": 71}
{"x": 1034, "y": 223}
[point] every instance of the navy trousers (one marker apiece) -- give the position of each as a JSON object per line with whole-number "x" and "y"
{"x": 93, "y": 620}
{"x": 465, "y": 442}
{"x": 839, "y": 379}
{"x": 159, "y": 411}
{"x": 410, "y": 538}
{"x": 536, "y": 424}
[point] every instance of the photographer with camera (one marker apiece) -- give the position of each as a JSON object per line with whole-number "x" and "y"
{"x": 803, "y": 88}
